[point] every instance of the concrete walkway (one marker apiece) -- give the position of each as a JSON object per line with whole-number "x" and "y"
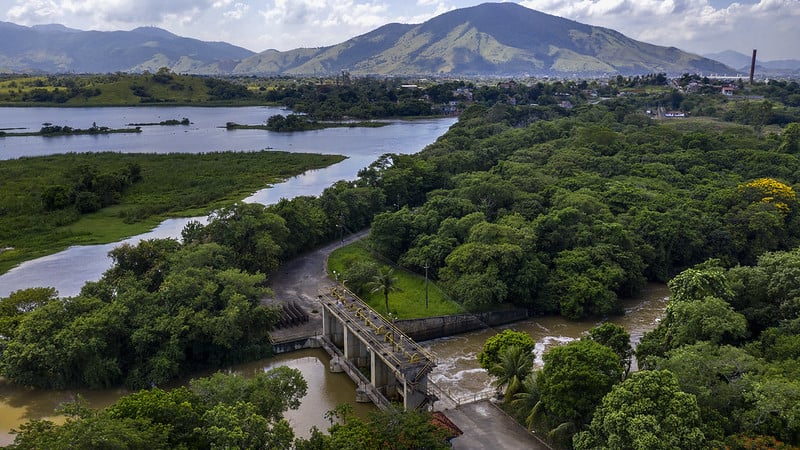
{"x": 485, "y": 427}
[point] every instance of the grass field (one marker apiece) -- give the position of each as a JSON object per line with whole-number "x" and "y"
{"x": 121, "y": 90}
{"x": 173, "y": 185}
{"x": 406, "y": 304}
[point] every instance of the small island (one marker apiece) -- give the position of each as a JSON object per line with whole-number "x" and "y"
{"x": 301, "y": 122}
{"x": 170, "y": 122}
{"x": 50, "y": 130}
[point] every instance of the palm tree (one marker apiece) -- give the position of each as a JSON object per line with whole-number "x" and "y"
{"x": 515, "y": 365}
{"x": 384, "y": 282}
{"x": 526, "y": 399}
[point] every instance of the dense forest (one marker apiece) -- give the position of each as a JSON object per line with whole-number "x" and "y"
{"x": 558, "y": 208}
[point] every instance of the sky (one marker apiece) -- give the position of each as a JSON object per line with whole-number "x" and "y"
{"x": 697, "y": 26}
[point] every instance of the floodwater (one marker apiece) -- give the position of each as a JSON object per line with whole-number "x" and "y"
{"x": 325, "y": 391}
{"x": 459, "y": 374}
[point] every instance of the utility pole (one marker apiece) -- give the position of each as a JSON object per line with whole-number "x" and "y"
{"x": 341, "y": 229}
{"x": 426, "y": 284}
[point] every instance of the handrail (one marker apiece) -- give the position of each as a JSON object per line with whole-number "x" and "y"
{"x": 397, "y": 331}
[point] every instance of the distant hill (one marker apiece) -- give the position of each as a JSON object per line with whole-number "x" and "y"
{"x": 741, "y": 61}
{"x": 56, "y": 48}
{"x": 489, "y": 39}
{"x": 499, "y": 39}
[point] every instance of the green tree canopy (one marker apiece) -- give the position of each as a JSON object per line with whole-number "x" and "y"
{"x": 494, "y": 347}
{"x": 646, "y": 411}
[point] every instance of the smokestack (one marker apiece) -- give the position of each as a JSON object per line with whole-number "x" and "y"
{"x": 753, "y": 66}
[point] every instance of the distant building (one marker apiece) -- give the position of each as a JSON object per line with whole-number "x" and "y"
{"x": 675, "y": 114}
{"x": 728, "y": 90}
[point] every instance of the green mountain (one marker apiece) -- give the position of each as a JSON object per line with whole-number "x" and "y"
{"x": 488, "y": 39}
{"x": 55, "y": 48}
{"x": 499, "y": 39}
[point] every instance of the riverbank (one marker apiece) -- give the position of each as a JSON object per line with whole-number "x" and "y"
{"x": 70, "y": 132}
{"x": 172, "y": 185}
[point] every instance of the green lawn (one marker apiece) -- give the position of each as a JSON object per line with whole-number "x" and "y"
{"x": 406, "y": 304}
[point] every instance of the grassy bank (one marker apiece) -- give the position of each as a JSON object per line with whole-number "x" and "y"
{"x": 409, "y": 303}
{"x": 172, "y": 185}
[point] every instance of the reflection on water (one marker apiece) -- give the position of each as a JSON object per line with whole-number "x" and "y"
{"x": 325, "y": 391}
{"x": 459, "y": 374}
{"x": 67, "y": 271}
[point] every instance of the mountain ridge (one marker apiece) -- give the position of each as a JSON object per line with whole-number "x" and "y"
{"x": 488, "y": 39}
{"x": 740, "y": 61}
{"x": 491, "y": 39}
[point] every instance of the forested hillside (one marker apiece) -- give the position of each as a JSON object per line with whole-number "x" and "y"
{"x": 569, "y": 214}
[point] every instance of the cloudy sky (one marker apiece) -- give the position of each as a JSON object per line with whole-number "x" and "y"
{"x": 699, "y": 26}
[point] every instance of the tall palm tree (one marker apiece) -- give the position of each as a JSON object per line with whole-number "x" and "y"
{"x": 515, "y": 365}
{"x": 384, "y": 282}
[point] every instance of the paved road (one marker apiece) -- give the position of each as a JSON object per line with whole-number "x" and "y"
{"x": 485, "y": 427}
{"x": 300, "y": 280}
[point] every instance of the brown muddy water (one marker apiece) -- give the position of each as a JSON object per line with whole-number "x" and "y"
{"x": 458, "y": 372}
{"x": 325, "y": 391}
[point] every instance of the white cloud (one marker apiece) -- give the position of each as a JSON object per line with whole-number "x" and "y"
{"x": 692, "y": 25}
{"x": 699, "y": 26}
{"x": 237, "y": 11}
{"x": 312, "y": 23}
{"x": 33, "y": 10}
{"x": 108, "y": 14}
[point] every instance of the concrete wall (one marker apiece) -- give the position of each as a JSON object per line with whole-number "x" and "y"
{"x": 436, "y": 327}
{"x": 291, "y": 346}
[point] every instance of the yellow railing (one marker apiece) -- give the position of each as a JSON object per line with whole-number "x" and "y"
{"x": 372, "y": 325}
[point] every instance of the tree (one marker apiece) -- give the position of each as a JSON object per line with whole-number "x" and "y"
{"x": 13, "y": 307}
{"x": 514, "y": 366}
{"x": 702, "y": 280}
{"x": 385, "y": 283}
{"x": 775, "y": 408}
{"x": 616, "y": 338}
{"x": 494, "y": 347}
{"x": 716, "y": 376}
{"x": 710, "y": 319}
{"x": 394, "y": 429}
{"x": 271, "y": 392}
{"x": 526, "y": 399}
{"x": 646, "y": 411}
{"x": 790, "y": 138}
{"x": 222, "y": 411}
{"x": 573, "y": 380}
{"x": 256, "y": 235}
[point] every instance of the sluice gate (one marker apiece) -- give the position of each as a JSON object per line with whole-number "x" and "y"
{"x": 387, "y": 365}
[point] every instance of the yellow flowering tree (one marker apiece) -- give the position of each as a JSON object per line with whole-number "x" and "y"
{"x": 771, "y": 191}
{"x": 764, "y": 220}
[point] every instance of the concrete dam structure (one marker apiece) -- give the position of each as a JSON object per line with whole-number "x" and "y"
{"x": 385, "y": 364}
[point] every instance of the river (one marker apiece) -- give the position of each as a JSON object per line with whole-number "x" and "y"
{"x": 457, "y": 371}
{"x": 362, "y": 146}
